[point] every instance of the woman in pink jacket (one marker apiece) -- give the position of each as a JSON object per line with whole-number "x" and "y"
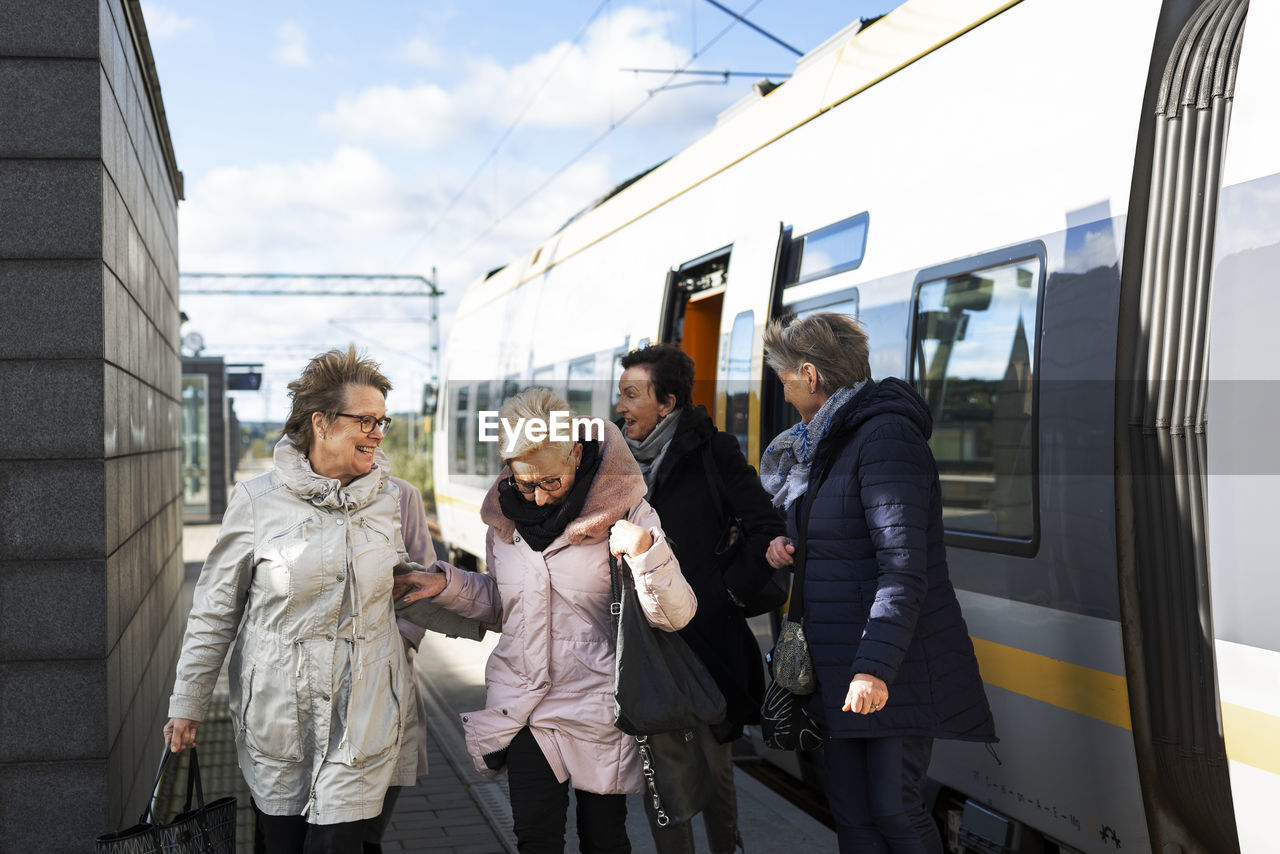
{"x": 554, "y": 515}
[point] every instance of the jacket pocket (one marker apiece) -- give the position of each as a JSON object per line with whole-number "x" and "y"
{"x": 373, "y": 720}
{"x": 269, "y": 714}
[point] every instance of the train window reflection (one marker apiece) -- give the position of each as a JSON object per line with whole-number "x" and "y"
{"x": 486, "y": 452}
{"x": 461, "y": 416}
{"x": 737, "y": 410}
{"x": 832, "y": 249}
{"x": 580, "y": 374}
{"x": 974, "y": 360}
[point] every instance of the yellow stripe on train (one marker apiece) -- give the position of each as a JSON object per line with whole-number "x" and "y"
{"x": 1100, "y": 695}
{"x": 1252, "y": 737}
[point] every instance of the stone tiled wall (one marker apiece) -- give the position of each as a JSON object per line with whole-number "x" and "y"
{"x": 90, "y": 503}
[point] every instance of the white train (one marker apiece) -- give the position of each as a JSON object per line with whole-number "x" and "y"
{"x": 1061, "y": 220}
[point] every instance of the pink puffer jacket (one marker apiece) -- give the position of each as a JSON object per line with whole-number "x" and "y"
{"x": 553, "y": 667}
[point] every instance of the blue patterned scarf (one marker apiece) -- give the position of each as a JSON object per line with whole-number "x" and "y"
{"x": 784, "y": 465}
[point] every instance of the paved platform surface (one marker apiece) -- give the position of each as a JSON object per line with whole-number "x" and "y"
{"x": 454, "y": 810}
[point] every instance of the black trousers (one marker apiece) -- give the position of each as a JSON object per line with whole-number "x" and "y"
{"x": 540, "y": 806}
{"x": 291, "y": 834}
{"x": 876, "y": 790}
{"x": 376, "y": 826}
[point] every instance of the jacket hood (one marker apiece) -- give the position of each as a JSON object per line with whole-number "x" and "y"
{"x": 889, "y": 395}
{"x": 618, "y": 486}
{"x": 295, "y": 472}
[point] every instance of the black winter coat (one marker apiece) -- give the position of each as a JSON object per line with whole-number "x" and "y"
{"x": 877, "y": 594}
{"x": 681, "y": 494}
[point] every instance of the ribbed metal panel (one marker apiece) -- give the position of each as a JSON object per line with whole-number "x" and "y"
{"x": 1167, "y": 425}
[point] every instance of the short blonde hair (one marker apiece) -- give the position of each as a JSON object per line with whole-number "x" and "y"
{"x": 833, "y": 343}
{"x": 535, "y": 402}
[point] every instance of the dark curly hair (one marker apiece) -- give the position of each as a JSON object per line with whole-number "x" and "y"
{"x": 670, "y": 370}
{"x": 322, "y": 387}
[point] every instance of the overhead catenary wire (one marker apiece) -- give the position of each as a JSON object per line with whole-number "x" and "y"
{"x": 506, "y": 134}
{"x": 590, "y": 146}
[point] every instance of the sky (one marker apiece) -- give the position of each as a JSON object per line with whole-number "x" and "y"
{"x": 394, "y": 137}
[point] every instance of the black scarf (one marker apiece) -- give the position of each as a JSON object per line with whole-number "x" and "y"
{"x": 541, "y": 525}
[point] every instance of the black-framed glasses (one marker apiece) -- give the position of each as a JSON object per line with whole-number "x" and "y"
{"x": 367, "y": 422}
{"x": 547, "y": 484}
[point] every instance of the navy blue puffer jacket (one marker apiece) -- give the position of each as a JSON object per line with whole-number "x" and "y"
{"x": 877, "y": 595}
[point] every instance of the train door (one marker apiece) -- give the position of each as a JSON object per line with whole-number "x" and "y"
{"x": 813, "y": 273}
{"x": 691, "y": 317}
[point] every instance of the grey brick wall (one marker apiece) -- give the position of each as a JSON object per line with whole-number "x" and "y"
{"x": 90, "y": 497}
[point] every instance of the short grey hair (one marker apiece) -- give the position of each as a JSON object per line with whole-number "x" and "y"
{"x": 833, "y": 343}
{"x": 535, "y": 402}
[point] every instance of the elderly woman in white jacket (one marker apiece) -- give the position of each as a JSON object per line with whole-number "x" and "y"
{"x": 320, "y": 688}
{"x": 554, "y": 516}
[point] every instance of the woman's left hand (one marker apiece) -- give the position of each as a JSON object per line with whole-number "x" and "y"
{"x": 628, "y": 538}
{"x": 417, "y": 585}
{"x": 867, "y": 694}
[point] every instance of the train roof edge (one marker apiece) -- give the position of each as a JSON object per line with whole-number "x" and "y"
{"x": 851, "y": 61}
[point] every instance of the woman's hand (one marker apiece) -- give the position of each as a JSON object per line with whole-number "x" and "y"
{"x": 779, "y": 553}
{"x": 180, "y": 733}
{"x": 418, "y": 584}
{"x": 628, "y": 538}
{"x": 867, "y": 694}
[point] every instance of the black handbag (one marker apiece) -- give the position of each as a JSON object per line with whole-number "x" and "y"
{"x": 206, "y": 829}
{"x": 659, "y": 683}
{"x": 731, "y": 547}
{"x": 663, "y": 695}
{"x": 785, "y": 722}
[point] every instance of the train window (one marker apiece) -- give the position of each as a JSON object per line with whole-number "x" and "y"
{"x": 974, "y": 362}
{"x": 510, "y": 388}
{"x": 544, "y": 378}
{"x": 832, "y": 249}
{"x": 461, "y": 418}
{"x": 486, "y": 452}
{"x": 615, "y": 374}
{"x": 581, "y": 373}
{"x": 738, "y": 382}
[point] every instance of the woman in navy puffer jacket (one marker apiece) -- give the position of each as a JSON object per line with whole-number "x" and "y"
{"x": 894, "y": 661}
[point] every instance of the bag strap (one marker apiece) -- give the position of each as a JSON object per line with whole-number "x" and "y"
{"x": 796, "y": 607}
{"x": 616, "y": 584}
{"x": 149, "y": 811}
{"x": 193, "y": 781}
{"x": 714, "y": 482}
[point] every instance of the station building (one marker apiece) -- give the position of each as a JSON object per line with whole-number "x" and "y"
{"x": 90, "y": 372}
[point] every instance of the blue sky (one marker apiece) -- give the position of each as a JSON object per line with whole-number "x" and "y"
{"x": 335, "y": 137}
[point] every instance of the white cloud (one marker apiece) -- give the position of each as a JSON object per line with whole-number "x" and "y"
{"x": 586, "y": 89}
{"x": 414, "y": 117}
{"x": 291, "y": 46}
{"x": 164, "y": 23}
{"x": 349, "y": 212}
{"x": 420, "y": 51}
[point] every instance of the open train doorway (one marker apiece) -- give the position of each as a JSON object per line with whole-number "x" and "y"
{"x": 691, "y": 317}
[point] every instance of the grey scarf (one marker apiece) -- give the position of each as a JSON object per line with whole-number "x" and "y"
{"x": 784, "y": 465}
{"x": 650, "y": 450}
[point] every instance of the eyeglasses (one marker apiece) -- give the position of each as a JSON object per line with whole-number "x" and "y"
{"x": 367, "y": 422}
{"x": 547, "y": 484}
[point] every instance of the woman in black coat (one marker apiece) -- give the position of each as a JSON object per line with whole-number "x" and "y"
{"x": 685, "y": 461}
{"x": 895, "y": 665}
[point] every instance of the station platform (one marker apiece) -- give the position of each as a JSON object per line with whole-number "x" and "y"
{"x": 453, "y": 809}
